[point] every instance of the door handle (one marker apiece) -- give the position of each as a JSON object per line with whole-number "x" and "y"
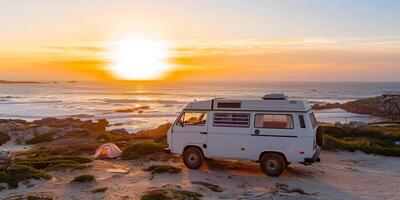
{"x": 204, "y": 133}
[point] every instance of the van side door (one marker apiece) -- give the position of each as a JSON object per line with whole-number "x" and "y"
{"x": 229, "y": 134}
{"x": 189, "y": 129}
{"x": 275, "y": 132}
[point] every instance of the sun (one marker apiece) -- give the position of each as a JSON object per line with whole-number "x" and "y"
{"x": 139, "y": 59}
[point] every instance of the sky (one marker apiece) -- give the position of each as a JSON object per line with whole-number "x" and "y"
{"x": 297, "y": 40}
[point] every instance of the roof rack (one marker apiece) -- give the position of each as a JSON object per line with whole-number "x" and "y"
{"x": 275, "y": 96}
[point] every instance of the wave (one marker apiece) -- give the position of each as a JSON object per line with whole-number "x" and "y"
{"x": 144, "y": 101}
{"x": 32, "y": 102}
{"x": 121, "y": 116}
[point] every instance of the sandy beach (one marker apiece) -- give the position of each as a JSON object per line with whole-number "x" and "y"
{"x": 340, "y": 175}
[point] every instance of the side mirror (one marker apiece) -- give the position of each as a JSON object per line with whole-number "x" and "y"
{"x": 180, "y": 123}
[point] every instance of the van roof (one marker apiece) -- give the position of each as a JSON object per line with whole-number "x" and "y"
{"x": 279, "y": 105}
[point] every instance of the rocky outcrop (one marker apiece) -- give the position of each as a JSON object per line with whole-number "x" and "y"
{"x": 387, "y": 106}
{"x": 23, "y": 131}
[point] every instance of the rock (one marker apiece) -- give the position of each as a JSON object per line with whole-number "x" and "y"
{"x": 119, "y": 131}
{"x": 43, "y": 130}
{"x": 387, "y": 106}
{"x": 27, "y": 137}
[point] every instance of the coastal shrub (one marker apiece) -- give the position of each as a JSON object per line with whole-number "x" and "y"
{"x": 4, "y": 138}
{"x": 41, "y": 138}
{"x": 164, "y": 169}
{"x": 113, "y": 137}
{"x": 139, "y": 150}
{"x": 98, "y": 190}
{"x": 168, "y": 194}
{"x": 332, "y": 142}
{"x": 18, "y": 173}
{"x": 84, "y": 178}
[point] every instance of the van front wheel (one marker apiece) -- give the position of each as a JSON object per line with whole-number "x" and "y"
{"x": 272, "y": 164}
{"x": 193, "y": 158}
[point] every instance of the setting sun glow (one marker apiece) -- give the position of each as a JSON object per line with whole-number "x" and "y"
{"x": 139, "y": 59}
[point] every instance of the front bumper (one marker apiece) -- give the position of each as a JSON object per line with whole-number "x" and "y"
{"x": 314, "y": 158}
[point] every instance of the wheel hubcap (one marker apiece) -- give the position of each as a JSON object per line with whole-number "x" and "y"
{"x": 272, "y": 165}
{"x": 192, "y": 158}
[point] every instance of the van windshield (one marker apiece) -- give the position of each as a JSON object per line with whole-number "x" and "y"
{"x": 314, "y": 122}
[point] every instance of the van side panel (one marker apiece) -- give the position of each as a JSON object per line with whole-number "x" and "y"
{"x": 226, "y": 141}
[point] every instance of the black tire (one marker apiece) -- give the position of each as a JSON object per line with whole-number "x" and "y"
{"x": 320, "y": 136}
{"x": 193, "y": 158}
{"x": 272, "y": 164}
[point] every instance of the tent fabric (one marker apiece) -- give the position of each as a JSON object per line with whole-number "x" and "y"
{"x": 108, "y": 150}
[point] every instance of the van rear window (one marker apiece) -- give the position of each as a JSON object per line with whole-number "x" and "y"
{"x": 314, "y": 122}
{"x": 232, "y": 119}
{"x": 302, "y": 122}
{"x": 229, "y": 105}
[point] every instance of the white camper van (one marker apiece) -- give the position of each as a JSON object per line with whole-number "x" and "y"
{"x": 273, "y": 131}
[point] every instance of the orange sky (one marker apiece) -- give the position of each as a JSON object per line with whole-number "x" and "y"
{"x": 70, "y": 41}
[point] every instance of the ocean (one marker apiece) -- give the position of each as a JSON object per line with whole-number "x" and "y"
{"x": 163, "y": 101}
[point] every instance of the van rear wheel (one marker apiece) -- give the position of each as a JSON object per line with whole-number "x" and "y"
{"x": 193, "y": 158}
{"x": 272, "y": 164}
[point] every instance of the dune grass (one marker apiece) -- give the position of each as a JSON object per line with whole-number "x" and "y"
{"x": 83, "y": 178}
{"x": 375, "y": 140}
{"x": 50, "y": 163}
{"x": 139, "y": 150}
{"x": 18, "y": 173}
{"x": 164, "y": 169}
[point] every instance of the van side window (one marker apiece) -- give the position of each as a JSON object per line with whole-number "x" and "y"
{"x": 273, "y": 121}
{"x": 314, "y": 122}
{"x": 232, "y": 119}
{"x": 193, "y": 119}
{"x": 302, "y": 123}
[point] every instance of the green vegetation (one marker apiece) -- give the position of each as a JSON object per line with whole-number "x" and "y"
{"x": 98, "y": 190}
{"x": 167, "y": 194}
{"x": 139, "y": 150}
{"x": 54, "y": 162}
{"x": 41, "y": 138}
{"x": 84, "y": 178}
{"x": 64, "y": 150}
{"x": 4, "y": 138}
{"x": 370, "y": 139}
{"x": 164, "y": 169}
{"x": 18, "y": 173}
{"x": 113, "y": 137}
